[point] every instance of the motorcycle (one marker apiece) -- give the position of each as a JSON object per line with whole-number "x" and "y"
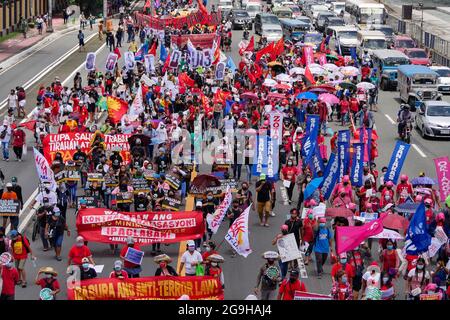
{"x": 405, "y": 134}
{"x": 246, "y": 33}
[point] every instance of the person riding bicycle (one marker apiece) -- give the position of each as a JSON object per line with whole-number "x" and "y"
{"x": 403, "y": 118}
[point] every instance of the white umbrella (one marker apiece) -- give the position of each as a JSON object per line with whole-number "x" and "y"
{"x": 350, "y": 71}
{"x": 296, "y": 70}
{"x": 269, "y": 83}
{"x": 314, "y": 65}
{"x": 316, "y": 69}
{"x": 365, "y": 85}
{"x": 283, "y": 77}
{"x": 330, "y": 67}
{"x": 333, "y": 75}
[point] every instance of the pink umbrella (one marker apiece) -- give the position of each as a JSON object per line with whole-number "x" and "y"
{"x": 249, "y": 95}
{"x": 328, "y": 98}
{"x": 276, "y": 96}
{"x": 283, "y": 86}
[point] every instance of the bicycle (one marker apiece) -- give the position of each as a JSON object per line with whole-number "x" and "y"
{"x": 36, "y": 228}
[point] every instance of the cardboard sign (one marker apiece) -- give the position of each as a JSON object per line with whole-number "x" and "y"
{"x": 140, "y": 185}
{"x": 287, "y": 247}
{"x": 173, "y": 181}
{"x": 89, "y": 64}
{"x": 431, "y": 296}
{"x": 111, "y": 181}
{"x": 72, "y": 172}
{"x": 319, "y": 211}
{"x": 95, "y": 177}
{"x": 149, "y": 175}
{"x": 9, "y": 208}
{"x": 232, "y": 183}
{"x": 60, "y": 176}
{"x": 124, "y": 197}
{"x": 134, "y": 256}
{"x": 91, "y": 202}
{"x": 170, "y": 203}
{"x": 175, "y": 59}
{"x": 220, "y": 71}
{"x": 369, "y": 216}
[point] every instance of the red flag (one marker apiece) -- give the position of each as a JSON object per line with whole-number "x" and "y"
{"x": 278, "y": 49}
{"x": 251, "y": 77}
{"x": 153, "y": 49}
{"x": 217, "y": 51}
{"x": 309, "y": 76}
{"x": 116, "y": 108}
{"x": 117, "y": 51}
{"x": 251, "y": 45}
{"x": 220, "y": 96}
{"x": 166, "y": 64}
{"x": 30, "y": 125}
{"x": 145, "y": 90}
{"x": 264, "y": 51}
{"x": 184, "y": 79}
{"x": 202, "y": 7}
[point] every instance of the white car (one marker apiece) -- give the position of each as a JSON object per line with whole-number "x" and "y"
{"x": 443, "y": 81}
{"x": 433, "y": 119}
{"x": 225, "y": 5}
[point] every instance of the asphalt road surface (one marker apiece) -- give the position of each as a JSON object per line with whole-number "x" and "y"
{"x": 240, "y": 273}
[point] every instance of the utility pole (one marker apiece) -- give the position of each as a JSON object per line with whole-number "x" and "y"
{"x": 50, "y": 14}
{"x": 105, "y": 12}
{"x": 421, "y": 24}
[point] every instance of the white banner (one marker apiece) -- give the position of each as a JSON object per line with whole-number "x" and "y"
{"x": 237, "y": 235}
{"x": 45, "y": 173}
{"x": 276, "y": 125}
{"x": 111, "y": 61}
{"x": 214, "y": 220}
{"x": 149, "y": 61}
{"x": 287, "y": 247}
{"x": 89, "y": 64}
{"x": 388, "y": 234}
{"x": 220, "y": 71}
{"x": 137, "y": 107}
{"x": 130, "y": 62}
{"x": 175, "y": 59}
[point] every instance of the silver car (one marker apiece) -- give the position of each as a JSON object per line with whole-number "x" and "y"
{"x": 433, "y": 118}
{"x": 272, "y": 32}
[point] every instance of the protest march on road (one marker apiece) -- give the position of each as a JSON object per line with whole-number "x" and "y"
{"x": 169, "y": 143}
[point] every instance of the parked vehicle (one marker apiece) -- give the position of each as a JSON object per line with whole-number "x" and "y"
{"x": 443, "y": 79}
{"x": 344, "y": 38}
{"x": 370, "y": 40}
{"x": 433, "y": 119}
{"x": 265, "y": 18}
{"x": 240, "y": 18}
{"x": 387, "y": 62}
{"x": 403, "y": 42}
{"x": 282, "y": 12}
{"x": 314, "y": 39}
{"x": 331, "y": 22}
{"x": 320, "y": 21}
{"x": 293, "y": 29}
{"x": 416, "y": 84}
{"x": 418, "y": 56}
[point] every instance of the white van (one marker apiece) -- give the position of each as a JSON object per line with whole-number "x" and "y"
{"x": 370, "y": 40}
{"x": 253, "y": 8}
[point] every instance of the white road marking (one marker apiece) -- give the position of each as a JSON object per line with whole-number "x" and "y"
{"x": 25, "y": 218}
{"x": 46, "y": 70}
{"x": 389, "y": 118}
{"x": 422, "y": 154}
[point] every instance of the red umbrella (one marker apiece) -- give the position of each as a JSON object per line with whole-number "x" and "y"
{"x": 276, "y": 96}
{"x": 283, "y": 86}
{"x": 321, "y": 88}
{"x": 338, "y": 212}
{"x": 395, "y": 221}
{"x": 202, "y": 182}
{"x": 250, "y": 95}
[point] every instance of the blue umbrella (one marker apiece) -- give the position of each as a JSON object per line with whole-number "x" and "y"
{"x": 312, "y": 186}
{"x": 407, "y": 207}
{"x": 423, "y": 181}
{"x": 307, "y": 95}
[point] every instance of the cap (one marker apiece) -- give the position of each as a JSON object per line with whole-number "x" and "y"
{"x": 262, "y": 176}
{"x": 447, "y": 201}
{"x": 199, "y": 203}
{"x": 418, "y": 198}
{"x": 389, "y": 184}
{"x": 323, "y": 220}
{"x": 130, "y": 240}
{"x": 118, "y": 264}
{"x": 404, "y": 177}
{"x": 440, "y": 216}
{"x": 310, "y": 211}
{"x": 294, "y": 272}
{"x": 312, "y": 203}
{"x": 346, "y": 178}
{"x": 343, "y": 255}
{"x": 284, "y": 227}
{"x": 84, "y": 260}
{"x": 13, "y": 233}
{"x": 191, "y": 243}
{"x": 428, "y": 201}
{"x": 79, "y": 239}
{"x": 9, "y": 185}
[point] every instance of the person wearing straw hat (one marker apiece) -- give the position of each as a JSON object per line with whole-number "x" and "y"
{"x": 48, "y": 280}
{"x": 269, "y": 276}
{"x": 164, "y": 269}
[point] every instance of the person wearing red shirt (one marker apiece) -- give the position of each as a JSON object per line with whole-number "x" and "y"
{"x": 131, "y": 268}
{"x": 344, "y": 266}
{"x": 255, "y": 118}
{"x": 18, "y": 142}
{"x": 10, "y": 277}
{"x": 118, "y": 272}
{"x": 354, "y": 106}
{"x": 210, "y": 249}
{"x": 345, "y": 106}
{"x": 309, "y": 223}
{"x": 333, "y": 144}
{"x": 389, "y": 257}
{"x": 387, "y": 194}
{"x": 289, "y": 286}
{"x": 79, "y": 251}
{"x": 323, "y": 116}
{"x": 429, "y": 215}
{"x": 48, "y": 280}
{"x": 289, "y": 173}
{"x": 365, "y": 72}
{"x": 20, "y": 250}
{"x": 404, "y": 189}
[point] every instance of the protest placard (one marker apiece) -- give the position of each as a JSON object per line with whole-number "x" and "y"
{"x": 140, "y": 185}
{"x": 232, "y": 183}
{"x": 319, "y": 211}
{"x": 173, "y": 181}
{"x": 431, "y": 296}
{"x": 9, "y": 208}
{"x": 301, "y": 295}
{"x": 90, "y": 202}
{"x": 95, "y": 177}
{"x": 170, "y": 203}
{"x": 288, "y": 249}
{"x": 134, "y": 256}
{"x": 111, "y": 181}
{"x": 369, "y": 216}
{"x": 72, "y": 173}
{"x": 124, "y": 197}
{"x": 60, "y": 176}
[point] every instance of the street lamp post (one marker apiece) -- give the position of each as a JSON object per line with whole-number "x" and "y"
{"x": 50, "y": 16}
{"x": 105, "y": 12}
{"x": 421, "y": 23}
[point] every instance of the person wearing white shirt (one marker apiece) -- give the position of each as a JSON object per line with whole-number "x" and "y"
{"x": 13, "y": 100}
{"x": 190, "y": 259}
{"x": 5, "y": 137}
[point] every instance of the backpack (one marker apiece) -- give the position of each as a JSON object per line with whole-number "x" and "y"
{"x": 3, "y": 134}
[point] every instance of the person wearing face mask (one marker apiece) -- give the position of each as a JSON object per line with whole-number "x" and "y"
{"x": 209, "y": 207}
{"x": 342, "y": 289}
{"x": 429, "y": 214}
{"x": 244, "y": 196}
{"x": 387, "y": 194}
{"x": 389, "y": 258}
{"x": 46, "y": 197}
{"x": 10, "y": 278}
{"x": 345, "y": 184}
{"x": 131, "y": 268}
{"x": 54, "y": 231}
{"x": 210, "y": 249}
{"x": 418, "y": 279}
{"x": 87, "y": 272}
{"x": 9, "y": 194}
{"x": 118, "y": 272}
{"x": 48, "y": 280}
{"x": 289, "y": 174}
{"x": 190, "y": 259}
{"x": 309, "y": 224}
{"x": 371, "y": 279}
{"x": 283, "y": 265}
{"x": 164, "y": 267}
{"x": 342, "y": 200}
{"x": 213, "y": 268}
{"x": 387, "y": 287}
{"x": 302, "y": 181}
{"x": 342, "y": 265}
{"x": 289, "y": 286}
{"x": 79, "y": 251}
{"x": 20, "y": 249}
{"x": 122, "y": 188}
{"x": 269, "y": 276}
{"x": 404, "y": 190}
{"x": 295, "y": 226}
{"x": 322, "y": 242}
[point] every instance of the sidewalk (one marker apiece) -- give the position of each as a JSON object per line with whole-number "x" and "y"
{"x": 17, "y": 44}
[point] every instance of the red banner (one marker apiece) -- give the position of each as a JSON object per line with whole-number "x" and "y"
{"x": 66, "y": 144}
{"x": 212, "y": 19}
{"x": 103, "y": 225}
{"x": 308, "y": 55}
{"x": 147, "y": 288}
{"x": 204, "y": 41}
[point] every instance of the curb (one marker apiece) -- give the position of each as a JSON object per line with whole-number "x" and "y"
{"x": 34, "y": 48}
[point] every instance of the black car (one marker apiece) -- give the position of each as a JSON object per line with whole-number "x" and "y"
{"x": 239, "y": 18}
